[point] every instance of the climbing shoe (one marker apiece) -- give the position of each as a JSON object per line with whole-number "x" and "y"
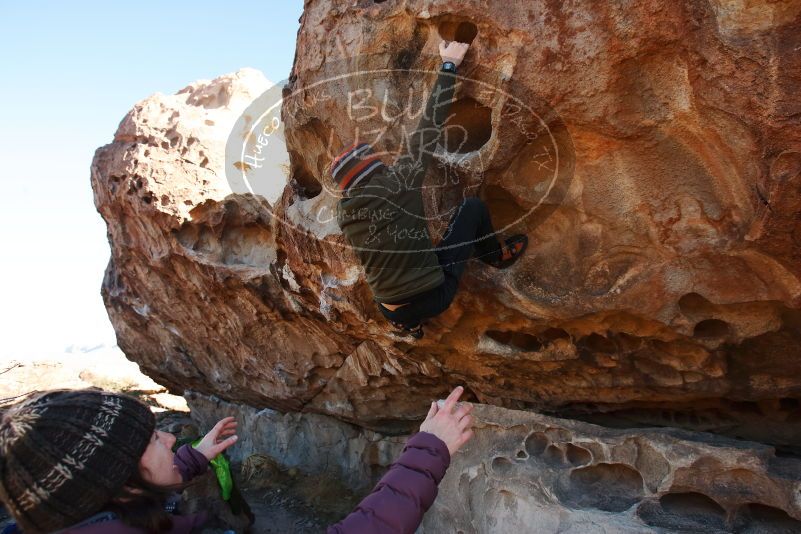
{"x": 416, "y": 331}
{"x": 512, "y": 249}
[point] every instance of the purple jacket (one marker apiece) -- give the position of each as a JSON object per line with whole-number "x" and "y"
{"x": 190, "y": 463}
{"x": 396, "y": 504}
{"x": 404, "y": 494}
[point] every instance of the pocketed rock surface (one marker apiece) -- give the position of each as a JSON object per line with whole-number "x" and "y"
{"x": 526, "y": 472}
{"x": 657, "y": 172}
{"x": 555, "y": 475}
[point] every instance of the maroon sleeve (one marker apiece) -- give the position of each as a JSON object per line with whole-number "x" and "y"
{"x": 404, "y": 494}
{"x": 190, "y": 462}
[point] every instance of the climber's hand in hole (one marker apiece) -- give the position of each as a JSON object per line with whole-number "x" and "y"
{"x": 451, "y": 422}
{"x": 219, "y": 438}
{"x": 453, "y": 51}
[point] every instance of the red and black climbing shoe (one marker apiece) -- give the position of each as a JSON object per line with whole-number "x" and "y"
{"x": 512, "y": 249}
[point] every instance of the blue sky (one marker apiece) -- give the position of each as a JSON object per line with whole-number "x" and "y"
{"x": 70, "y": 72}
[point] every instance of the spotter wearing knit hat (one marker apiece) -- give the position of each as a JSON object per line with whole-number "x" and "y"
{"x": 64, "y": 454}
{"x": 356, "y": 165}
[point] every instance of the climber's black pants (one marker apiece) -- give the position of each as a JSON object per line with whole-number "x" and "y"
{"x": 469, "y": 230}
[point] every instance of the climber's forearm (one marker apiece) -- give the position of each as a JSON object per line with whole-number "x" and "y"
{"x": 437, "y": 108}
{"x": 423, "y": 141}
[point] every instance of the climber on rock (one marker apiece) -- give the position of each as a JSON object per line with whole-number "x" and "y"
{"x": 382, "y": 217}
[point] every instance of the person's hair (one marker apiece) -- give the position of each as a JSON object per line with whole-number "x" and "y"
{"x": 140, "y": 504}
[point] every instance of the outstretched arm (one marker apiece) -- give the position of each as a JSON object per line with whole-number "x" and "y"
{"x": 419, "y": 146}
{"x": 404, "y": 494}
{"x": 408, "y": 489}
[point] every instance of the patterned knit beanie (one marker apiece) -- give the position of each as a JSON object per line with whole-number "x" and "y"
{"x": 64, "y": 454}
{"x": 355, "y": 165}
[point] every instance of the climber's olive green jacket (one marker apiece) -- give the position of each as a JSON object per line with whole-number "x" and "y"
{"x": 384, "y": 221}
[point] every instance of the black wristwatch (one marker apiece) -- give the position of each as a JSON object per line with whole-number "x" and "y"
{"x": 449, "y": 66}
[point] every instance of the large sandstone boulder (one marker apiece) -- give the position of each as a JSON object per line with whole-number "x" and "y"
{"x": 656, "y": 166}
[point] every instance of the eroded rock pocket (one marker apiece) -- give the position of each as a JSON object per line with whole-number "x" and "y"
{"x": 607, "y": 487}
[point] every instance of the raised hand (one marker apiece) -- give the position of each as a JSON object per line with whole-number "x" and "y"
{"x": 453, "y": 51}
{"x": 219, "y": 438}
{"x": 450, "y": 423}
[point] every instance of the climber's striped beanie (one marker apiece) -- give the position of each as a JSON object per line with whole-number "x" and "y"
{"x": 356, "y": 165}
{"x": 64, "y": 454}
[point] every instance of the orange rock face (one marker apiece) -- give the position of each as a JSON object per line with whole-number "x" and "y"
{"x": 652, "y": 153}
